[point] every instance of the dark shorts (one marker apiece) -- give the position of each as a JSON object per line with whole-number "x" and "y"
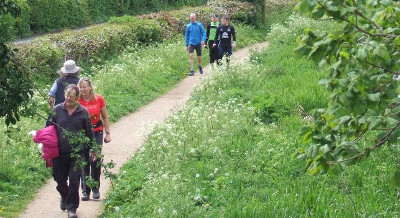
{"x": 195, "y": 47}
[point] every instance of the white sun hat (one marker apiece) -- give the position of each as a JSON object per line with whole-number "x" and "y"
{"x": 70, "y": 67}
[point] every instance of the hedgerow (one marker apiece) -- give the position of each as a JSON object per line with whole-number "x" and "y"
{"x": 38, "y": 16}
{"x": 44, "y": 55}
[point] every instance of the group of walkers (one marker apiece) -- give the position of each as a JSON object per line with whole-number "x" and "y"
{"x": 220, "y": 38}
{"x": 76, "y": 109}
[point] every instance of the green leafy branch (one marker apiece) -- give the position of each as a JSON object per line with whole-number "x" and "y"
{"x": 363, "y": 63}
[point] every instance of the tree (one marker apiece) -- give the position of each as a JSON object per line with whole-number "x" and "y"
{"x": 15, "y": 86}
{"x": 364, "y": 63}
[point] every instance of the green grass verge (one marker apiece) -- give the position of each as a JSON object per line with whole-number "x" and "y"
{"x": 228, "y": 153}
{"x": 127, "y": 82}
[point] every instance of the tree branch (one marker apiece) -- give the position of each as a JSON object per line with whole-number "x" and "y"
{"x": 366, "y": 18}
{"x": 383, "y": 68}
{"x": 372, "y": 148}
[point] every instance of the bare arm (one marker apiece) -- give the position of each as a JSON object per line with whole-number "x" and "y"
{"x": 106, "y": 124}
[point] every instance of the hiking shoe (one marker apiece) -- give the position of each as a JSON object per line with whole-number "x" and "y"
{"x": 200, "y": 70}
{"x": 63, "y": 205}
{"x": 191, "y": 73}
{"x": 85, "y": 196}
{"x": 96, "y": 194}
{"x": 72, "y": 214}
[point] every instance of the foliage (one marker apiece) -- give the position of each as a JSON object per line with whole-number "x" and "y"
{"x": 214, "y": 159}
{"x": 38, "y": 16}
{"x": 43, "y": 56}
{"x": 363, "y": 67}
{"x": 16, "y": 88}
{"x": 47, "y": 15}
{"x": 133, "y": 79}
{"x": 267, "y": 109}
{"x": 122, "y": 20}
{"x": 22, "y": 23}
{"x": 266, "y": 10}
{"x": 23, "y": 171}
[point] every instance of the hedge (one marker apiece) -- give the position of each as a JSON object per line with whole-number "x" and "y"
{"x": 43, "y": 56}
{"x": 39, "y": 16}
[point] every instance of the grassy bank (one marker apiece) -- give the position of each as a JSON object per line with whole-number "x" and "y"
{"x": 228, "y": 153}
{"x": 135, "y": 78}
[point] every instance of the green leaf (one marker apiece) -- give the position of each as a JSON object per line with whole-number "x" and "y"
{"x": 307, "y": 137}
{"x": 303, "y": 50}
{"x": 373, "y": 97}
{"x": 324, "y": 149}
{"x": 317, "y": 13}
{"x": 391, "y": 122}
{"x": 395, "y": 31}
{"x": 372, "y": 3}
{"x": 306, "y": 6}
{"x": 361, "y": 54}
{"x": 382, "y": 52}
{"x": 374, "y": 122}
{"x": 396, "y": 41}
{"x": 344, "y": 54}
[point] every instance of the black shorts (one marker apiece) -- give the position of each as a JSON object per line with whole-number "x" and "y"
{"x": 195, "y": 47}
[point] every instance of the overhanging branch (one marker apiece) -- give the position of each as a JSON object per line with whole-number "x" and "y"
{"x": 372, "y": 148}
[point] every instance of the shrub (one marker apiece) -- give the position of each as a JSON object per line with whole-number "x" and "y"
{"x": 40, "y": 16}
{"x": 40, "y": 58}
{"x": 22, "y": 24}
{"x": 268, "y": 109}
{"x": 43, "y": 56}
{"x": 50, "y": 15}
{"x": 6, "y": 23}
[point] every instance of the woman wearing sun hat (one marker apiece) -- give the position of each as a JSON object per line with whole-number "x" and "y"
{"x": 68, "y": 75}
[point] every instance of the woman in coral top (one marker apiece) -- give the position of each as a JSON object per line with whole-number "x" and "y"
{"x": 96, "y": 106}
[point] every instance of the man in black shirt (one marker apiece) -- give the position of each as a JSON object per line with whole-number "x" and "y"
{"x": 226, "y": 35}
{"x": 70, "y": 119}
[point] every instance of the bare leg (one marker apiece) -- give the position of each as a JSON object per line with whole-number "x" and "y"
{"x": 200, "y": 60}
{"x": 191, "y": 60}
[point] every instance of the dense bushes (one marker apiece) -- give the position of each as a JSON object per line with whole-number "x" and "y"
{"x": 44, "y": 55}
{"x": 39, "y": 16}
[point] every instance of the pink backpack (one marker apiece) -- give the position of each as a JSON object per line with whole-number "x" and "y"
{"x": 48, "y": 137}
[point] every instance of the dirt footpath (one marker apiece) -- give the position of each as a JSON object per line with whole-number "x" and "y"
{"x": 128, "y": 135}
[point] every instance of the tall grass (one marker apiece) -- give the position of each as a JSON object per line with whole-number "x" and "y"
{"x": 135, "y": 78}
{"x": 222, "y": 157}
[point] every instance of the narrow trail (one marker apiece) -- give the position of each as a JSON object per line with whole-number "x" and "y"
{"x": 128, "y": 135}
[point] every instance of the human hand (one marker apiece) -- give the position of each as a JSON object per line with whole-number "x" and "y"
{"x": 94, "y": 156}
{"x": 202, "y": 43}
{"x": 51, "y": 102}
{"x": 234, "y": 45}
{"x": 107, "y": 139}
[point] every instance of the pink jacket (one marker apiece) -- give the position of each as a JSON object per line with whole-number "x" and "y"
{"x": 48, "y": 137}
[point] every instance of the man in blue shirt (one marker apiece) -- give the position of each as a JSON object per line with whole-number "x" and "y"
{"x": 195, "y": 36}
